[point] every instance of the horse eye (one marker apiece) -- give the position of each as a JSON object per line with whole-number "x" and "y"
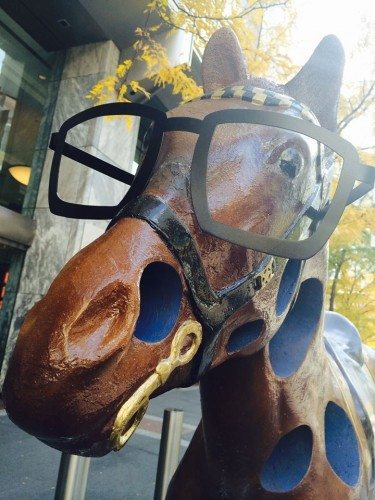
{"x": 291, "y": 162}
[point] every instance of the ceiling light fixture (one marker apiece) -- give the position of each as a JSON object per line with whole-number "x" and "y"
{"x": 21, "y": 173}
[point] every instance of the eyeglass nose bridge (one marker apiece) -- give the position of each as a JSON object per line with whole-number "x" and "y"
{"x": 183, "y": 124}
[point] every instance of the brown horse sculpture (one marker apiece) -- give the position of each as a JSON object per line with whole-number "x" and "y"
{"x": 157, "y": 302}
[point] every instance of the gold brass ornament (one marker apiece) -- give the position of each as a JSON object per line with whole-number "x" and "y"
{"x": 265, "y": 276}
{"x": 184, "y": 347}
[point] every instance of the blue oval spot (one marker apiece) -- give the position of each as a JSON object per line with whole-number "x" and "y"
{"x": 341, "y": 444}
{"x": 288, "y": 284}
{"x": 289, "y": 461}
{"x": 161, "y": 294}
{"x": 288, "y": 347}
{"x": 244, "y": 334}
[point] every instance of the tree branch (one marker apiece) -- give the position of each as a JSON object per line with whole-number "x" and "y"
{"x": 256, "y": 6}
{"x": 169, "y": 23}
{"x": 335, "y": 280}
{"x": 359, "y": 107}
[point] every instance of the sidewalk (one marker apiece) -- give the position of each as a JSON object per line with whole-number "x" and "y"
{"x": 28, "y": 468}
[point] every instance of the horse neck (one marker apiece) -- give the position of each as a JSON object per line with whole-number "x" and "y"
{"x": 246, "y": 407}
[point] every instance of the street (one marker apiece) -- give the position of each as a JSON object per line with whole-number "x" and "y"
{"x": 28, "y": 468}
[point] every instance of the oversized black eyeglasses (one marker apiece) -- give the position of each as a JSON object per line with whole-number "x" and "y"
{"x": 288, "y": 239}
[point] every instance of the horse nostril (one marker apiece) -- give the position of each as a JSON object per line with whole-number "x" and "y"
{"x": 161, "y": 295}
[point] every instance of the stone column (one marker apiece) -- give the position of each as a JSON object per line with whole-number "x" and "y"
{"x": 57, "y": 238}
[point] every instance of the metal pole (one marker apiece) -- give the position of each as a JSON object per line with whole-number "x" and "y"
{"x": 72, "y": 478}
{"x": 169, "y": 450}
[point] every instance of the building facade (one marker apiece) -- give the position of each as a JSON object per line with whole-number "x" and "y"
{"x": 50, "y": 57}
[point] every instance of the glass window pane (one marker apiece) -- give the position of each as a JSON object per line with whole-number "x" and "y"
{"x": 24, "y": 81}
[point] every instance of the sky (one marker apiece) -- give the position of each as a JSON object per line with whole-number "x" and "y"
{"x": 344, "y": 18}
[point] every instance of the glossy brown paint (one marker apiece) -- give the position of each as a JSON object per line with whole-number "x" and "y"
{"x": 77, "y": 361}
{"x": 223, "y": 262}
{"x": 246, "y": 408}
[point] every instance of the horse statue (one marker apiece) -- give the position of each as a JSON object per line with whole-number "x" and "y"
{"x": 213, "y": 269}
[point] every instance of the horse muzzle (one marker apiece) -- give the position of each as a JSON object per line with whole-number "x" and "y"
{"x": 103, "y": 335}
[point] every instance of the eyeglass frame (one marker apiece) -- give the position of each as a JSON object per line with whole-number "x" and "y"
{"x": 327, "y": 219}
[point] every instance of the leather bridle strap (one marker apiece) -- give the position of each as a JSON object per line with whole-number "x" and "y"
{"x": 213, "y": 307}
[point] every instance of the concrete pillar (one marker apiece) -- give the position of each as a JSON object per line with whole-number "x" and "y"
{"x": 58, "y": 239}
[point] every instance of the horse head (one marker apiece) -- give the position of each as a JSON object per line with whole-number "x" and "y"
{"x": 157, "y": 300}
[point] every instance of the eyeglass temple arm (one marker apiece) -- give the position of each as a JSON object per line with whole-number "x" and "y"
{"x": 365, "y": 174}
{"x": 93, "y": 162}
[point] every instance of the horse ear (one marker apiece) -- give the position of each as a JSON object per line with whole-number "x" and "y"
{"x": 318, "y": 83}
{"x": 223, "y": 62}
